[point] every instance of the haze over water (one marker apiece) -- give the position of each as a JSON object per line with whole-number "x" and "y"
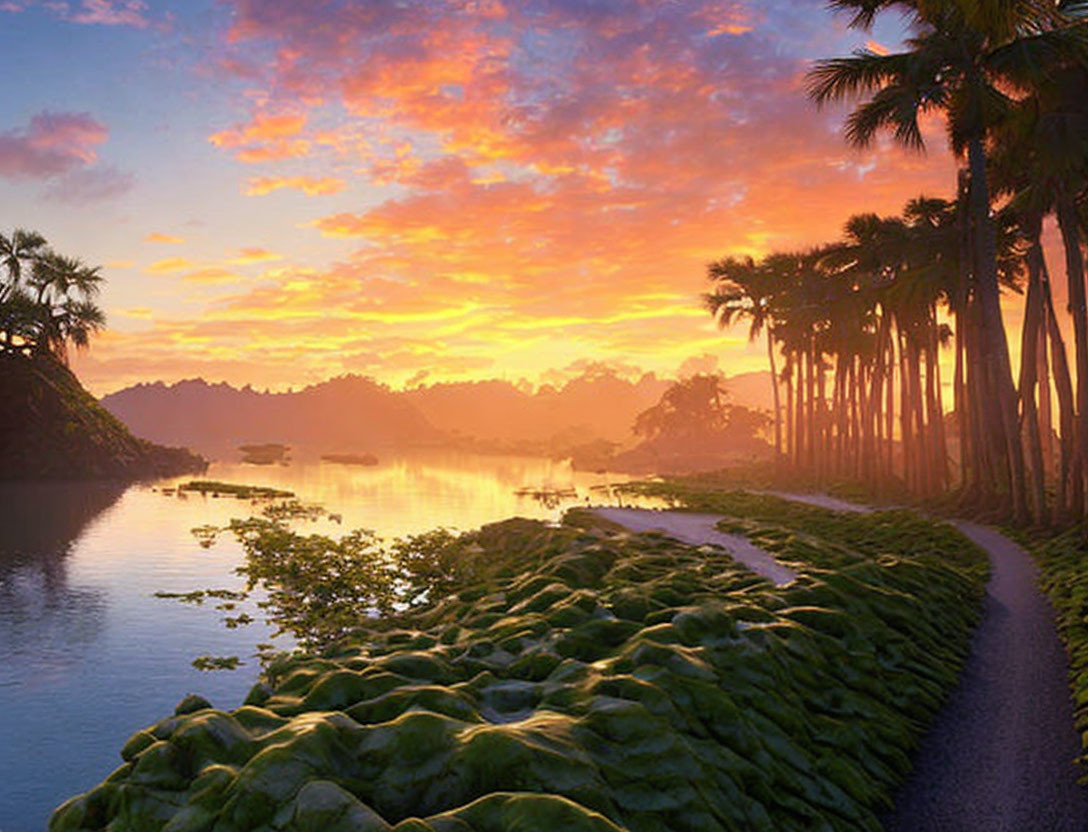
{"x": 88, "y": 655}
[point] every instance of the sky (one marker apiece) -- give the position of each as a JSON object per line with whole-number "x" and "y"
{"x": 281, "y": 191}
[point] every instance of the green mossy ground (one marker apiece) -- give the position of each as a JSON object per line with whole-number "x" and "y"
{"x": 592, "y": 680}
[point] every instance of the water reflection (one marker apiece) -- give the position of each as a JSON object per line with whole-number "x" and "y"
{"x": 41, "y": 613}
{"x": 88, "y": 654}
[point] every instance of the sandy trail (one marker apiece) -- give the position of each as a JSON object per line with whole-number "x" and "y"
{"x": 698, "y": 529}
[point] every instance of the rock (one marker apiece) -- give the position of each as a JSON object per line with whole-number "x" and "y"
{"x": 322, "y": 806}
{"x": 191, "y": 704}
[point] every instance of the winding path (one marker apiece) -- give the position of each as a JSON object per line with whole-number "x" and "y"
{"x": 999, "y": 756}
{"x": 698, "y": 530}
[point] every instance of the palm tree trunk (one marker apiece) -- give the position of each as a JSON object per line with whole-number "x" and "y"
{"x": 1028, "y": 378}
{"x": 934, "y": 405}
{"x": 1074, "y": 271}
{"x": 791, "y": 441}
{"x": 889, "y": 416}
{"x": 810, "y": 397}
{"x": 1063, "y": 385}
{"x": 1046, "y": 408}
{"x": 995, "y": 343}
{"x": 777, "y": 404}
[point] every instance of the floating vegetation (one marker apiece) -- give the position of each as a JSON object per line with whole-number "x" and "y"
{"x": 229, "y": 489}
{"x": 209, "y": 663}
{"x": 350, "y": 459}
{"x": 579, "y": 679}
{"x": 547, "y": 496}
{"x": 200, "y": 595}
{"x": 267, "y": 454}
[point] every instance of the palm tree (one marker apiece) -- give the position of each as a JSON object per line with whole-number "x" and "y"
{"x": 962, "y": 61}
{"x": 746, "y": 290}
{"x": 46, "y": 300}
{"x": 64, "y": 291}
{"x": 16, "y": 252}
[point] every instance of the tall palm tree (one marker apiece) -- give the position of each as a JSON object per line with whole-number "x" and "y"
{"x": 745, "y": 289}
{"x": 961, "y": 62}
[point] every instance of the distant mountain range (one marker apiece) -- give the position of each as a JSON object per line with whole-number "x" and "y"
{"x": 353, "y": 412}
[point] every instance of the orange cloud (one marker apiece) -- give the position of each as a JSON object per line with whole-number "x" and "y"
{"x": 169, "y": 239}
{"x": 210, "y": 275}
{"x": 169, "y": 266}
{"x": 311, "y": 186}
{"x": 265, "y": 137}
{"x": 248, "y": 256}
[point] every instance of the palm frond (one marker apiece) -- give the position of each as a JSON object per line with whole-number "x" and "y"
{"x": 836, "y": 79}
{"x": 894, "y": 108}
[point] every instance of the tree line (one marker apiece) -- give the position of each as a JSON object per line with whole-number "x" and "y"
{"x": 47, "y": 300}
{"x": 860, "y": 323}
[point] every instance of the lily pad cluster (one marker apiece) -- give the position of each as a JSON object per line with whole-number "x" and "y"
{"x": 589, "y": 679}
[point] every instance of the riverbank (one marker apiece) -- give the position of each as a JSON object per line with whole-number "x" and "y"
{"x": 587, "y": 678}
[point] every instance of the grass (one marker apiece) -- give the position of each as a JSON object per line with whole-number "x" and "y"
{"x": 582, "y": 678}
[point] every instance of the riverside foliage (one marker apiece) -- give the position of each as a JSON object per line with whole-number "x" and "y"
{"x": 582, "y": 678}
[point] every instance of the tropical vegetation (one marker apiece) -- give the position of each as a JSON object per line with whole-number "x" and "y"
{"x": 860, "y": 323}
{"x": 46, "y": 299}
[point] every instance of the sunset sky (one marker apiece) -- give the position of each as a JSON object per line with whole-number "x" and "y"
{"x": 284, "y": 190}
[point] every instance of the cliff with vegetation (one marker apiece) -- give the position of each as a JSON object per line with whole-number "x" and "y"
{"x": 51, "y": 428}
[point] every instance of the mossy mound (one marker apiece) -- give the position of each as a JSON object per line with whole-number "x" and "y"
{"x": 51, "y": 428}
{"x": 590, "y": 680}
{"x": 1063, "y": 562}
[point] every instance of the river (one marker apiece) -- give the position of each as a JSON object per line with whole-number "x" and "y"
{"x": 89, "y": 655}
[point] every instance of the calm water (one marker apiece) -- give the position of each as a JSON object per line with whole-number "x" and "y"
{"x": 88, "y": 655}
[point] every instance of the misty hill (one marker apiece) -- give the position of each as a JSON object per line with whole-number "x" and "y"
{"x": 752, "y": 390}
{"x": 353, "y": 412}
{"x": 51, "y": 428}
{"x": 349, "y": 410}
{"x": 594, "y": 405}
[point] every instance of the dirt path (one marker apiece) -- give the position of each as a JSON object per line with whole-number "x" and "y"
{"x": 698, "y": 529}
{"x": 999, "y": 756}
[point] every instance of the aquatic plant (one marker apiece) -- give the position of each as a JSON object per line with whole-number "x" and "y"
{"x": 217, "y": 662}
{"x": 241, "y": 491}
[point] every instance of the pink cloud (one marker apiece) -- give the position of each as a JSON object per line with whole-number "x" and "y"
{"x": 111, "y": 13}
{"x": 94, "y": 12}
{"x": 51, "y": 145}
{"x": 96, "y": 184}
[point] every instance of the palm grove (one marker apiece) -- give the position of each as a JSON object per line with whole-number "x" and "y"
{"x": 860, "y": 323}
{"x": 46, "y": 299}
